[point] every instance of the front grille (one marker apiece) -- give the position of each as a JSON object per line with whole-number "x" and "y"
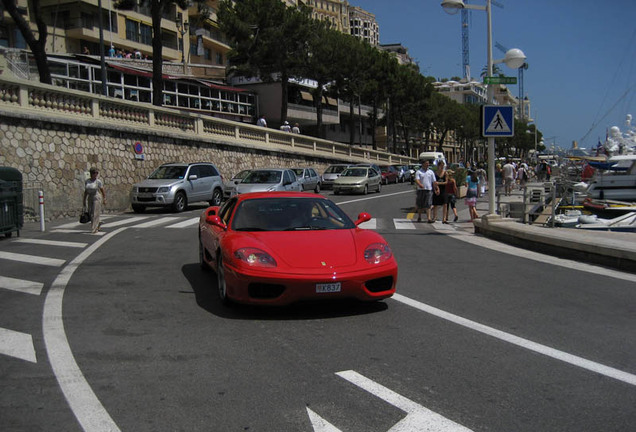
{"x": 380, "y": 284}
{"x": 265, "y": 291}
{"x": 147, "y": 189}
{"x": 144, "y": 199}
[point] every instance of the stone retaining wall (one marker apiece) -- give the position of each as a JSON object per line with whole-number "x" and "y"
{"x": 58, "y": 155}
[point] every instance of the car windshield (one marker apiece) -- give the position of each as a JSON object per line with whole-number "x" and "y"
{"x": 335, "y": 169}
{"x": 263, "y": 176}
{"x": 169, "y": 172}
{"x": 241, "y": 175}
{"x": 355, "y": 172}
{"x": 289, "y": 214}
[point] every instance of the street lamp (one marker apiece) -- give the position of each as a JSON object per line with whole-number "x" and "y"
{"x": 182, "y": 27}
{"x": 514, "y": 59}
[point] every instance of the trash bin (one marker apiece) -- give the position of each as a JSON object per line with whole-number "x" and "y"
{"x": 11, "y": 207}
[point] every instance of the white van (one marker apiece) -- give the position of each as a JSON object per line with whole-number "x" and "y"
{"x": 435, "y": 157}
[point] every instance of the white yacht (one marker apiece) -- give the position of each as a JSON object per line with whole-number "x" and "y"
{"x": 618, "y": 182}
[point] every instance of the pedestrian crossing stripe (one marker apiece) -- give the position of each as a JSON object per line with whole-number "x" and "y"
{"x": 17, "y": 344}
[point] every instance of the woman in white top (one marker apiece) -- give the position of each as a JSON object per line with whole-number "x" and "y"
{"x": 94, "y": 197}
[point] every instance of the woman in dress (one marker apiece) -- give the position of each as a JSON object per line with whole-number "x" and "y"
{"x": 439, "y": 199}
{"x": 94, "y": 197}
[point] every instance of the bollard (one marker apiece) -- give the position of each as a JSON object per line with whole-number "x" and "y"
{"x": 41, "y": 199}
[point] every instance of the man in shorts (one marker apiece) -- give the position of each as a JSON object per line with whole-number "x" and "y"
{"x": 426, "y": 186}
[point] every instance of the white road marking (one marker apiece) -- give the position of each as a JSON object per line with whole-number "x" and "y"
{"x": 53, "y": 243}
{"x": 536, "y": 256}
{"x": 418, "y": 418}
{"x": 371, "y": 224}
{"x": 126, "y": 221}
{"x": 16, "y": 344}
{"x": 155, "y": 222}
{"x": 404, "y": 224}
{"x": 376, "y": 197}
{"x": 77, "y": 224}
{"x": 32, "y": 259}
{"x": 87, "y": 408}
{"x": 74, "y": 231}
{"x": 185, "y": 223}
{"x": 21, "y": 285}
{"x": 521, "y": 342}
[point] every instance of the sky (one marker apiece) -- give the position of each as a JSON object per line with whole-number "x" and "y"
{"x": 581, "y": 54}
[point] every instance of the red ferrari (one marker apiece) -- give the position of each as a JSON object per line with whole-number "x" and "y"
{"x": 276, "y": 248}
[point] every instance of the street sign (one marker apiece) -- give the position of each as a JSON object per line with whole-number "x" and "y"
{"x": 500, "y": 80}
{"x": 497, "y": 121}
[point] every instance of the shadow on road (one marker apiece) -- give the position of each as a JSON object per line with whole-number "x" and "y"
{"x": 204, "y": 286}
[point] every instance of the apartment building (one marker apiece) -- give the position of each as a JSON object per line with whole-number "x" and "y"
{"x": 362, "y": 24}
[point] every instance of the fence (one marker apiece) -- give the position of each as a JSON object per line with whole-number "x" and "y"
{"x": 535, "y": 203}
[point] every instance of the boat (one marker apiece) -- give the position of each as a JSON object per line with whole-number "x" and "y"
{"x": 626, "y": 223}
{"x": 615, "y": 179}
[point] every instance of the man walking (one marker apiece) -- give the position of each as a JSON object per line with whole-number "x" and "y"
{"x": 426, "y": 186}
{"x": 509, "y": 174}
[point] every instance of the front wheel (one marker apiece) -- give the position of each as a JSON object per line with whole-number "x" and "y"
{"x": 379, "y": 187}
{"x": 366, "y": 190}
{"x": 217, "y": 197}
{"x": 317, "y": 188}
{"x": 220, "y": 278}
{"x": 138, "y": 208}
{"x": 180, "y": 202}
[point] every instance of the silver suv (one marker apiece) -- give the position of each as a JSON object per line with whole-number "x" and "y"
{"x": 177, "y": 184}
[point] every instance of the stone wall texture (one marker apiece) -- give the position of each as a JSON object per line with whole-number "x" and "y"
{"x": 55, "y": 157}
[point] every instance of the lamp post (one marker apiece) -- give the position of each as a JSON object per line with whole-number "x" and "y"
{"x": 514, "y": 59}
{"x": 182, "y": 27}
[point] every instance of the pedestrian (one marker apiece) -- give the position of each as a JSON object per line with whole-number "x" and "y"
{"x": 261, "y": 121}
{"x": 451, "y": 195}
{"x": 86, "y": 51}
{"x": 425, "y": 181}
{"x": 111, "y": 51}
{"x": 482, "y": 176}
{"x": 439, "y": 199}
{"x": 285, "y": 127}
{"x": 296, "y": 128}
{"x": 94, "y": 198}
{"x": 522, "y": 176}
{"x": 472, "y": 193}
{"x": 509, "y": 173}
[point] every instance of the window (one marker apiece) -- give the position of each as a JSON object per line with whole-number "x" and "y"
{"x": 146, "y": 34}
{"x": 132, "y": 30}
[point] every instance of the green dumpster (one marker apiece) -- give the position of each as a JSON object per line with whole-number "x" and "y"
{"x": 11, "y": 207}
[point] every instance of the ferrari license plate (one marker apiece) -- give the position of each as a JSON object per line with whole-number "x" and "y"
{"x": 328, "y": 287}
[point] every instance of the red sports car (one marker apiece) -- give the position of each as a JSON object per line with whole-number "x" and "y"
{"x": 276, "y": 248}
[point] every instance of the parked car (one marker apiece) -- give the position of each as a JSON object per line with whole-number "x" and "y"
{"x": 308, "y": 178}
{"x": 358, "y": 179}
{"x": 229, "y": 187}
{"x": 331, "y": 173}
{"x": 268, "y": 180}
{"x": 389, "y": 174}
{"x": 178, "y": 184}
{"x": 412, "y": 170}
{"x": 269, "y": 249}
{"x": 403, "y": 173}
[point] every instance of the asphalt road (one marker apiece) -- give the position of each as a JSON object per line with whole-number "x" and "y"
{"x": 124, "y": 332}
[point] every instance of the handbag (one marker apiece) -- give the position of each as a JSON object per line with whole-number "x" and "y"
{"x": 85, "y": 217}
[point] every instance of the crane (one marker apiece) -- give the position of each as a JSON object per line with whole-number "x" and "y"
{"x": 521, "y": 89}
{"x": 465, "y": 39}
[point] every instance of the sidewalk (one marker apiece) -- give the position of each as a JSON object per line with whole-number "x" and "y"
{"x": 607, "y": 248}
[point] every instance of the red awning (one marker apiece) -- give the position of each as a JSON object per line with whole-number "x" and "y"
{"x": 221, "y": 87}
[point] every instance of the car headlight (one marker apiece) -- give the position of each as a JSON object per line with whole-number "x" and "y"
{"x": 255, "y": 257}
{"x": 163, "y": 189}
{"x": 377, "y": 253}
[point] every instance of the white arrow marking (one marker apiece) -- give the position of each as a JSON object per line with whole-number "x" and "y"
{"x": 320, "y": 424}
{"x": 418, "y": 419}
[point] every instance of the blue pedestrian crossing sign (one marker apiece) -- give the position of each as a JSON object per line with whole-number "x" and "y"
{"x": 497, "y": 121}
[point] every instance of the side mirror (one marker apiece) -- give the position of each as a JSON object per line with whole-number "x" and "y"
{"x": 212, "y": 219}
{"x": 193, "y": 177}
{"x": 363, "y": 217}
